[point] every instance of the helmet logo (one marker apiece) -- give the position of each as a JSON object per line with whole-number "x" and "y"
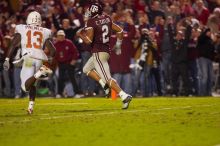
{"x": 94, "y": 9}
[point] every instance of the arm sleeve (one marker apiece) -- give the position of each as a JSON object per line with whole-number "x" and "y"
{"x": 88, "y": 24}
{"x": 18, "y": 29}
{"x": 49, "y": 34}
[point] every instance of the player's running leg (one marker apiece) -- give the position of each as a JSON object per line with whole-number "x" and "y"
{"x": 102, "y": 67}
{"x": 89, "y": 70}
{"x": 126, "y": 98}
{"x": 29, "y": 77}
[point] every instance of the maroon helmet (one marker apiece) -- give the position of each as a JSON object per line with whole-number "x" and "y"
{"x": 94, "y": 10}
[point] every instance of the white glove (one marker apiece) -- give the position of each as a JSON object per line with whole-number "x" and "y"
{"x": 117, "y": 47}
{"x": 6, "y": 64}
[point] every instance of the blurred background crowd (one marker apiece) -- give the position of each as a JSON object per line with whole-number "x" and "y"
{"x": 170, "y": 47}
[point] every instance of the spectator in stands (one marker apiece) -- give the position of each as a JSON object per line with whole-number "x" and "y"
{"x": 7, "y": 82}
{"x": 69, "y": 30}
{"x": 216, "y": 92}
{"x": 201, "y": 12}
{"x": 143, "y": 20}
{"x": 186, "y": 8}
{"x": 66, "y": 56}
{"x": 16, "y": 74}
{"x": 155, "y": 11}
{"x": 140, "y": 5}
{"x": 206, "y": 52}
{"x": 166, "y": 59}
{"x": 147, "y": 64}
{"x": 179, "y": 58}
{"x": 214, "y": 21}
{"x": 193, "y": 56}
{"x": 153, "y": 60}
{"x": 174, "y": 12}
{"x": 141, "y": 70}
{"x": 2, "y": 57}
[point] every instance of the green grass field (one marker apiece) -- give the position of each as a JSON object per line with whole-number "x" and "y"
{"x": 101, "y": 122}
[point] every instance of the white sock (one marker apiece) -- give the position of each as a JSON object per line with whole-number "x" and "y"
{"x": 37, "y": 74}
{"x": 123, "y": 95}
{"x": 31, "y": 105}
{"x": 102, "y": 83}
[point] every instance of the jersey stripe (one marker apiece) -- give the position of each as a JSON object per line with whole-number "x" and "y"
{"x": 101, "y": 67}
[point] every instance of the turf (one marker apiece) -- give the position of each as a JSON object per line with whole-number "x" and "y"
{"x": 101, "y": 122}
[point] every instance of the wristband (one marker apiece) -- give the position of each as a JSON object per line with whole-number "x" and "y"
{"x": 119, "y": 41}
{"x": 6, "y": 59}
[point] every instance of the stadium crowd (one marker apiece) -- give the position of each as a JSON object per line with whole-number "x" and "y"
{"x": 169, "y": 47}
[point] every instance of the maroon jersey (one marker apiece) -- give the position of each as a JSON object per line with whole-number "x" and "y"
{"x": 102, "y": 26}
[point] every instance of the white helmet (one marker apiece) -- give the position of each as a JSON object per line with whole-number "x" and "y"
{"x": 34, "y": 18}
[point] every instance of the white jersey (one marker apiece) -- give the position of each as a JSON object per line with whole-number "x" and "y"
{"x": 32, "y": 40}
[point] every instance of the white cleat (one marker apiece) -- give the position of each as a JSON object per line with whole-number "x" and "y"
{"x": 126, "y": 101}
{"x": 45, "y": 70}
{"x": 78, "y": 95}
{"x": 30, "y": 111}
{"x": 58, "y": 96}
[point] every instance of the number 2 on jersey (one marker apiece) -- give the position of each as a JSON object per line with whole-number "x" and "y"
{"x": 105, "y": 31}
{"x": 38, "y": 35}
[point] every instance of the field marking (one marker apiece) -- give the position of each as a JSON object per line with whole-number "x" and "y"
{"x": 76, "y": 103}
{"x": 103, "y": 113}
{"x": 42, "y": 104}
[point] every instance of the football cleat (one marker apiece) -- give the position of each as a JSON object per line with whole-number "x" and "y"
{"x": 78, "y": 95}
{"x": 45, "y": 70}
{"x": 107, "y": 90}
{"x": 126, "y": 101}
{"x": 30, "y": 111}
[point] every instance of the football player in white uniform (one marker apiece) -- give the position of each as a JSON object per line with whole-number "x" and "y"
{"x": 32, "y": 38}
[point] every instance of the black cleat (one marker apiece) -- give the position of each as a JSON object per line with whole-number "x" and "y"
{"x": 107, "y": 90}
{"x": 126, "y": 102}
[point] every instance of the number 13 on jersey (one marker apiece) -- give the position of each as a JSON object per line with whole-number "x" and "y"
{"x": 39, "y": 39}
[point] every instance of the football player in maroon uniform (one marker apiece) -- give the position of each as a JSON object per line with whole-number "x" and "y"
{"x": 97, "y": 33}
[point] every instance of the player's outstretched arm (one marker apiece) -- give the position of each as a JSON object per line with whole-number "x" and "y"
{"x": 118, "y": 30}
{"x": 51, "y": 47}
{"x": 119, "y": 34}
{"x": 15, "y": 43}
{"x": 86, "y": 34}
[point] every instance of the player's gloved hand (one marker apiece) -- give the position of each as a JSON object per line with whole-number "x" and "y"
{"x": 6, "y": 64}
{"x": 118, "y": 47}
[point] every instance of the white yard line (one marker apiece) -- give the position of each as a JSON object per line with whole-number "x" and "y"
{"x": 76, "y": 103}
{"x": 100, "y": 114}
{"x": 90, "y": 114}
{"x": 42, "y": 104}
